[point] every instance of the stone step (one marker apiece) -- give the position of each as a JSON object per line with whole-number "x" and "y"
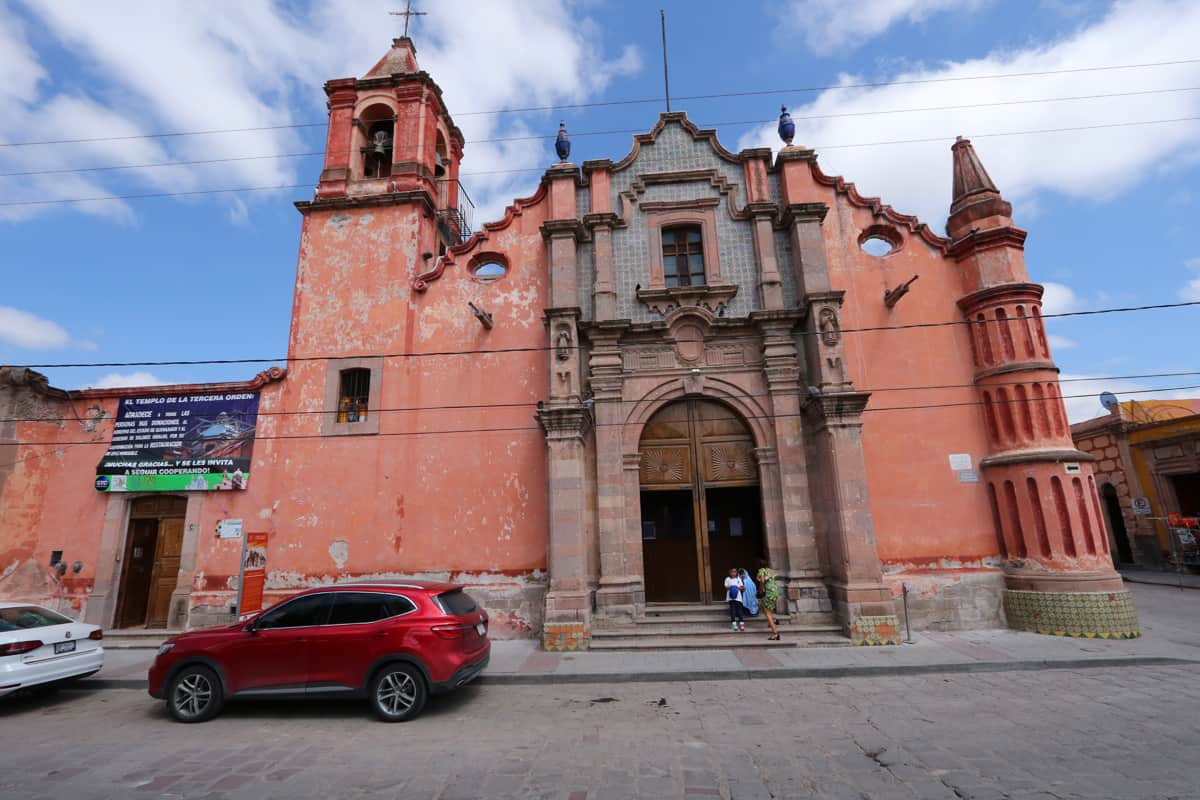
{"x": 136, "y": 638}
{"x": 755, "y": 627}
{"x": 726, "y": 641}
{"x": 695, "y": 612}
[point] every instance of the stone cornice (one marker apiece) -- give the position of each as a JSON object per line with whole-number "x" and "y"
{"x": 978, "y": 241}
{"x": 34, "y": 381}
{"x": 1035, "y": 456}
{"x": 1003, "y": 293}
{"x": 1020, "y": 366}
{"x": 803, "y": 212}
{"x": 839, "y": 406}
{"x": 417, "y": 196}
{"x": 794, "y": 153}
{"x": 564, "y": 421}
{"x": 562, "y": 228}
{"x": 602, "y": 219}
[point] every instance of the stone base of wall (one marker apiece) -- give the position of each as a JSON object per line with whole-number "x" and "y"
{"x": 1093, "y": 615}
{"x": 568, "y": 636}
{"x": 951, "y": 601}
{"x": 875, "y": 630}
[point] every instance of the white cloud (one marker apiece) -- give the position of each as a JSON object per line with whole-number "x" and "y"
{"x": 1190, "y": 293}
{"x": 188, "y": 67}
{"x": 1089, "y": 165}
{"x": 31, "y": 331}
{"x": 1087, "y": 405}
{"x": 830, "y": 25}
{"x": 1059, "y": 299}
{"x": 121, "y": 380}
{"x": 1060, "y": 342}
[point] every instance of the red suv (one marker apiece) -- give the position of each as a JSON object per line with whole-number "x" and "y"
{"x": 395, "y": 643}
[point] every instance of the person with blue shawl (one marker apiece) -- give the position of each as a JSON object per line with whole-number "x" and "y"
{"x": 749, "y": 598}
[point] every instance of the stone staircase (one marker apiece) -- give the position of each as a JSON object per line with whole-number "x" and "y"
{"x": 135, "y": 638}
{"x": 693, "y": 626}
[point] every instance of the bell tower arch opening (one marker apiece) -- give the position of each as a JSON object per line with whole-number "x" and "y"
{"x": 701, "y": 506}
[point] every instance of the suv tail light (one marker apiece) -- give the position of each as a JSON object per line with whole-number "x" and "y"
{"x": 17, "y": 648}
{"x": 97, "y": 634}
{"x": 452, "y": 630}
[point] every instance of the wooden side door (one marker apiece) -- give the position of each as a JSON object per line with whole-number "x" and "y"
{"x": 139, "y": 568}
{"x": 166, "y": 571}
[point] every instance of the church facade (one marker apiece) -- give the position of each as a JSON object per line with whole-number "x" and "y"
{"x": 652, "y": 370}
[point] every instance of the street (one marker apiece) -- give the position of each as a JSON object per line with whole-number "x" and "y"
{"x": 1128, "y": 732}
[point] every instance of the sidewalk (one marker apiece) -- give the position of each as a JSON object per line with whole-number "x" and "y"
{"x": 1185, "y": 580}
{"x": 1170, "y": 627}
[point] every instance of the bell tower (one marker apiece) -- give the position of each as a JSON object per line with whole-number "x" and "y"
{"x": 387, "y": 204}
{"x": 1059, "y": 575}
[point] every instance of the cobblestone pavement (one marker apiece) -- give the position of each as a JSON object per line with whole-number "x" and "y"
{"x": 1129, "y": 732}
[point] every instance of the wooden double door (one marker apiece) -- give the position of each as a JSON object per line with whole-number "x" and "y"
{"x": 153, "y": 547}
{"x": 701, "y": 506}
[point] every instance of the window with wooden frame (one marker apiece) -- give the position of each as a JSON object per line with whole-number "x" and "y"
{"x": 682, "y": 256}
{"x": 353, "y": 394}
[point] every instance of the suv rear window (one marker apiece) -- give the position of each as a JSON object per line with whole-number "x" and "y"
{"x": 24, "y": 617}
{"x": 457, "y": 602}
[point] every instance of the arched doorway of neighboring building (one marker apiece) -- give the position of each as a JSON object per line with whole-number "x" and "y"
{"x": 1123, "y": 552}
{"x": 698, "y": 474}
{"x": 153, "y": 545}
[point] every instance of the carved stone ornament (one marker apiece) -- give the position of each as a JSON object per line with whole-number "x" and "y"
{"x": 712, "y": 298}
{"x": 562, "y": 344}
{"x": 827, "y": 324}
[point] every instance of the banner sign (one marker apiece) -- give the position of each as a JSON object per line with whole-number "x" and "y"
{"x": 180, "y": 443}
{"x": 254, "y": 574}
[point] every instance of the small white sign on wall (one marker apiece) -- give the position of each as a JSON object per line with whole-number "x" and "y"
{"x": 1141, "y": 506}
{"x": 1072, "y": 468}
{"x": 960, "y": 461}
{"x": 968, "y": 476}
{"x": 229, "y": 529}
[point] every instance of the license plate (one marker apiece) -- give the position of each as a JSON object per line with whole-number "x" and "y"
{"x": 64, "y": 647}
{"x": 481, "y": 629}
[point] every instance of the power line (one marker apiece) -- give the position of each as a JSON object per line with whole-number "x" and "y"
{"x": 539, "y": 169}
{"x": 642, "y": 101}
{"x": 545, "y": 348}
{"x": 756, "y": 396}
{"x": 529, "y": 137}
{"x": 521, "y": 428}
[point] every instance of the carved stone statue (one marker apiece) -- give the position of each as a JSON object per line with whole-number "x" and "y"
{"x": 827, "y": 323}
{"x": 563, "y": 344}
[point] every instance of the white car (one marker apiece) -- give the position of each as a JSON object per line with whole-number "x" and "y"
{"x": 40, "y": 647}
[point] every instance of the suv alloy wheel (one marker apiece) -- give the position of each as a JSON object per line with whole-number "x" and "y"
{"x": 398, "y": 693}
{"x": 195, "y": 694}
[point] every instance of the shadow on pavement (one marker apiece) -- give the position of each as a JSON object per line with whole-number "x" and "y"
{"x": 317, "y": 708}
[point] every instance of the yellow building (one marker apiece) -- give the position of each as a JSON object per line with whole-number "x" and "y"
{"x": 1147, "y": 467}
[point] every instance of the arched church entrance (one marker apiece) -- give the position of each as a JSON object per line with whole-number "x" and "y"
{"x": 701, "y": 504}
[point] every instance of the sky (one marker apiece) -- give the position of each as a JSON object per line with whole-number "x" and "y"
{"x": 208, "y": 275}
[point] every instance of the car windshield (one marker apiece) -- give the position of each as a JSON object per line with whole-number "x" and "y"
{"x": 457, "y": 602}
{"x": 23, "y": 617}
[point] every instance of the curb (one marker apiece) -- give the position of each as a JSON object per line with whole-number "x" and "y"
{"x": 1170, "y": 584}
{"x": 695, "y": 676}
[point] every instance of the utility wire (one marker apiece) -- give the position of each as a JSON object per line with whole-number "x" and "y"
{"x": 545, "y": 348}
{"x": 539, "y": 169}
{"x": 756, "y": 396}
{"x": 768, "y": 416}
{"x": 643, "y": 101}
{"x": 726, "y": 124}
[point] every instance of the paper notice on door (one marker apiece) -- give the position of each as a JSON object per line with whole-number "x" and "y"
{"x": 735, "y": 526}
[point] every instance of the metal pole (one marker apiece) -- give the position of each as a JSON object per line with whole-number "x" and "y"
{"x": 907, "y": 629}
{"x": 662, "y": 16}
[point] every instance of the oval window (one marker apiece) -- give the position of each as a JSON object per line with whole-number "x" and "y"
{"x": 490, "y": 271}
{"x": 877, "y": 246}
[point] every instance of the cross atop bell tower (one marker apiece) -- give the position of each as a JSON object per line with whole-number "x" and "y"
{"x": 408, "y": 14}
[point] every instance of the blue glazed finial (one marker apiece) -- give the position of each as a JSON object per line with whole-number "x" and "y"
{"x": 562, "y": 145}
{"x": 787, "y": 128}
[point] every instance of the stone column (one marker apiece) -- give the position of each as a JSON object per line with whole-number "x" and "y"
{"x": 798, "y": 559}
{"x": 342, "y": 96}
{"x": 567, "y": 624}
{"x": 834, "y": 413}
{"x": 620, "y": 585}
